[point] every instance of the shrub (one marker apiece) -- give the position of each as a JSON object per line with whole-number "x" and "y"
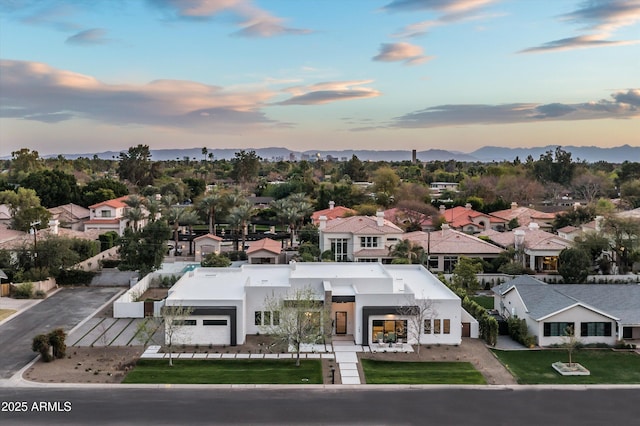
{"x": 57, "y": 340}
{"x": 23, "y": 291}
{"x": 39, "y": 294}
{"x": 74, "y": 276}
{"x": 213, "y": 260}
{"x": 41, "y": 344}
{"x": 235, "y": 255}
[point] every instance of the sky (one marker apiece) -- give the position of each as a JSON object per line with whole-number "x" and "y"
{"x": 80, "y": 76}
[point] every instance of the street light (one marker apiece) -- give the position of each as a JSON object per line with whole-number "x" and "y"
{"x": 34, "y": 226}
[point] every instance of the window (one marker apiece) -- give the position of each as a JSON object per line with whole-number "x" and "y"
{"x": 339, "y": 249}
{"x": 266, "y": 318}
{"x": 367, "y": 260}
{"x": 595, "y": 329}
{"x": 436, "y": 326}
{"x": 427, "y": 326}
{"x": 389, "y": 330}
{"x": 369, "y": 242}
{"x": 446, "y": 326}
{"x": 557, "y": 328}
{"x": 258, "y": 318}
{"x": 184, "y": 322}
{"x": 450, "y": 263}
{"x": 214, "y": 322}
{"x": 276, "y": 317}
{"x": 105, "y": 213}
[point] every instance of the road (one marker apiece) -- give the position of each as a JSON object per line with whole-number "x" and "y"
{"x": 65, "y": 309}
{"x": 353, "y": 406}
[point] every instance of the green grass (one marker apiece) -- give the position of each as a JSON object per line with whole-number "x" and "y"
{"x": 605, "y": 365}
{"x": 484, "y": 301}
{"x": 414, "y": 373}
{"x": 236, "y": 371}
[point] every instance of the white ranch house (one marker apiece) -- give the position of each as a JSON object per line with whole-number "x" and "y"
{"x": 364, "y": 301}
{"x": 598, "y": 313}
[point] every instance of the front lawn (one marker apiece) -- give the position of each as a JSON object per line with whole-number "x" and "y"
{"x": 484, "y": 301}
{"x": 417, "y": 373}
{"x": 605, "y": 365}
{"x": 233, "y": 371}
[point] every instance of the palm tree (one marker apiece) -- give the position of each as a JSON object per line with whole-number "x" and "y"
{"x": 153, "y": 207}
{"x": 208, "y": 205}
{"x": 173, "y": 215}
{"x": 240, "y": 216}
{"x": 406, "y": 249}
{"x": 292, "y": 211}
{"x": 134, "y": 212}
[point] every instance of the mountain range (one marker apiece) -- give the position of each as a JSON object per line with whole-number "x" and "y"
{"x": 589, "y": 154}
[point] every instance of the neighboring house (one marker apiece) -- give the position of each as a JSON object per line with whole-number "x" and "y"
{"x": 13, "y": 240}
{"x": 71, "y": 216}
{"x": 265, "y": 251}
{"x": 569, "y": 232}
{"x": 206, "y": 244}
{"x": 362, "y": 300}
{"x": 525, "y": 216}
{"x": 333, "y": 212}
{"x": 437, "y": 188}
{"x": 598, "y": 313}
{"x": 5, "y": 215}
{"x": 359, "y": 238}
{"x": 467, "y": 220}
{"x": 446, "y": 246}
{"x": 260, "y": 203}
{"x": 110, "y": 215}
{"x": 540, "y": 249}
{"x": 407, "y": 217}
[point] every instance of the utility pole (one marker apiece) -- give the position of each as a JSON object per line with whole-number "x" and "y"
{"x": 34, "y": 226}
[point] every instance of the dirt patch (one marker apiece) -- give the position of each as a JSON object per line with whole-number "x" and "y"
{"x": 86, "y": 365}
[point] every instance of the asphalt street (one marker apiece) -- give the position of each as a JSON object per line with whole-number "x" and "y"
{"x": 352, "y": 406}
{"x": 66, "y": 309}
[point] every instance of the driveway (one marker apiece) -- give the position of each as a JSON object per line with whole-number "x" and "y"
{"x": 64, "y": 309}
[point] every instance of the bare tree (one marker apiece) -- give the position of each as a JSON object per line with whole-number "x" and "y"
{"x": 419, "y": 312}
{"x": 570, "y": 342}
{"x": 174, "y": 319}
{"x": 299, "y": 317}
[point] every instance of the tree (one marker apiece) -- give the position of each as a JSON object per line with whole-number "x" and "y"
{"x": 24, "y": 206}
{"x": 413, "y": 214}
{"x": 173, "y": 319}
{"x": 54, "y": 187}
{"x": 590, "y": 186}
{"x": 246, "y": 165}
{"x": 240, "y": 216}
{"x": 418, "y": 311}
{"x": 593, "y": 243}
{"x": 574, "y": 265}
{"x": 292, "y": 211}
{"x": 208, "y": 205}
{"x": 214, "y": 260}
{"x": 624, "y": 240}
{"x": 144, "y": 250}
{"x": 385, "y": 183}
{"x": 354, "y": 169}
{"x": 23, "y": 162}
{"x": 298, "y": 317}
{"x": 559, "y": 169}
{"x": 574, "y": 217}
{"x": 464, "y": 274}
{"x": 570, "y": 342}
{"x": 630, "y": 192}
{"x": 134, "y": 213}
{"x": 406, "y": 251}
{"x": 136, "y": 166}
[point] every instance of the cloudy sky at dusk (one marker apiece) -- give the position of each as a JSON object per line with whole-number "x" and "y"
{"x": 81, "y": 76}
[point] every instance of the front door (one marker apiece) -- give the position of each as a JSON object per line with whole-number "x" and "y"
{"x": 341, "y": 323}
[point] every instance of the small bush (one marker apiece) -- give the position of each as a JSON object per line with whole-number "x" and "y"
{"x": 40, "y": 294}
{"x": 41, "y": 344}
{"x": 23, "y": 291}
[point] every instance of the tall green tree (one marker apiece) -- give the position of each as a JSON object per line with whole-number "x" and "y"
{"x": 574, "y": 265}
{"x": 246, "y": 165}
{"x": 54, "y": 187}
{"x": 144, "y": 250}
{"x": 136, "y": 166}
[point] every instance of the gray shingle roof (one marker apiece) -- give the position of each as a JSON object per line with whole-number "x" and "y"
{"x": 617, "y": 300}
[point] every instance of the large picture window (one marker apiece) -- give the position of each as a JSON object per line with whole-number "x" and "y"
{"x": 554, "y": 329}
{"x": 389, "y": 331}
{"x": 450, "y": 263}
{"x": 595, "y": 329}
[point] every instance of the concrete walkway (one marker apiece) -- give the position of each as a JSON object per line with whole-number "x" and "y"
{"x": 506, "y": 343}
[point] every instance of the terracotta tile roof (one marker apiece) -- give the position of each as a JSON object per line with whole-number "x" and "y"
{"x": 384, "y": 252}
{"x": 360, "y": 225}
{"x": 525, "y": 215}
{"x": 568, "y": 229}
{"x": 336, "y": 212}
{"x": 115, "y": 203}
{"x": 71, "y": 210}
{"x": 265, "y": 244}
{"x": 534, "y": 239}
{"x": 460, "y": 216}
{"x": 451, "y": 241}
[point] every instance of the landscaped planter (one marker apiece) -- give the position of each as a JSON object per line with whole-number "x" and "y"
{"x": 573, "y": 369}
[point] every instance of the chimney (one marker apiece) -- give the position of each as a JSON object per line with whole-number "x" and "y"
{"x": 380, "y": 218}
{"x": 518, "y": 238}
{"x": 467, "y": 206}
{"x": 514, "y": 205}
{"x": 54, "y": 226}
{"x": 332, "y": 204}
{"x": 323, "y": 222}
{"x": 442, "y": 209}
{"x": 533, "y": 226}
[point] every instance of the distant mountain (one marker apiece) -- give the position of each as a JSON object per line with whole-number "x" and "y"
{"x": 486, "y": 154}
{"x": 590, "y": 154}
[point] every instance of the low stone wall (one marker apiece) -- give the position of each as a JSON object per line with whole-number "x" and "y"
{"x": 93, "y": 263}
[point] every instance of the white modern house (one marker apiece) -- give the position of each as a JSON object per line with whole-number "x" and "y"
{"x": 364, "y": 301}
{"x": 598, "y": 313}
{"x": 359, "y": 238}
